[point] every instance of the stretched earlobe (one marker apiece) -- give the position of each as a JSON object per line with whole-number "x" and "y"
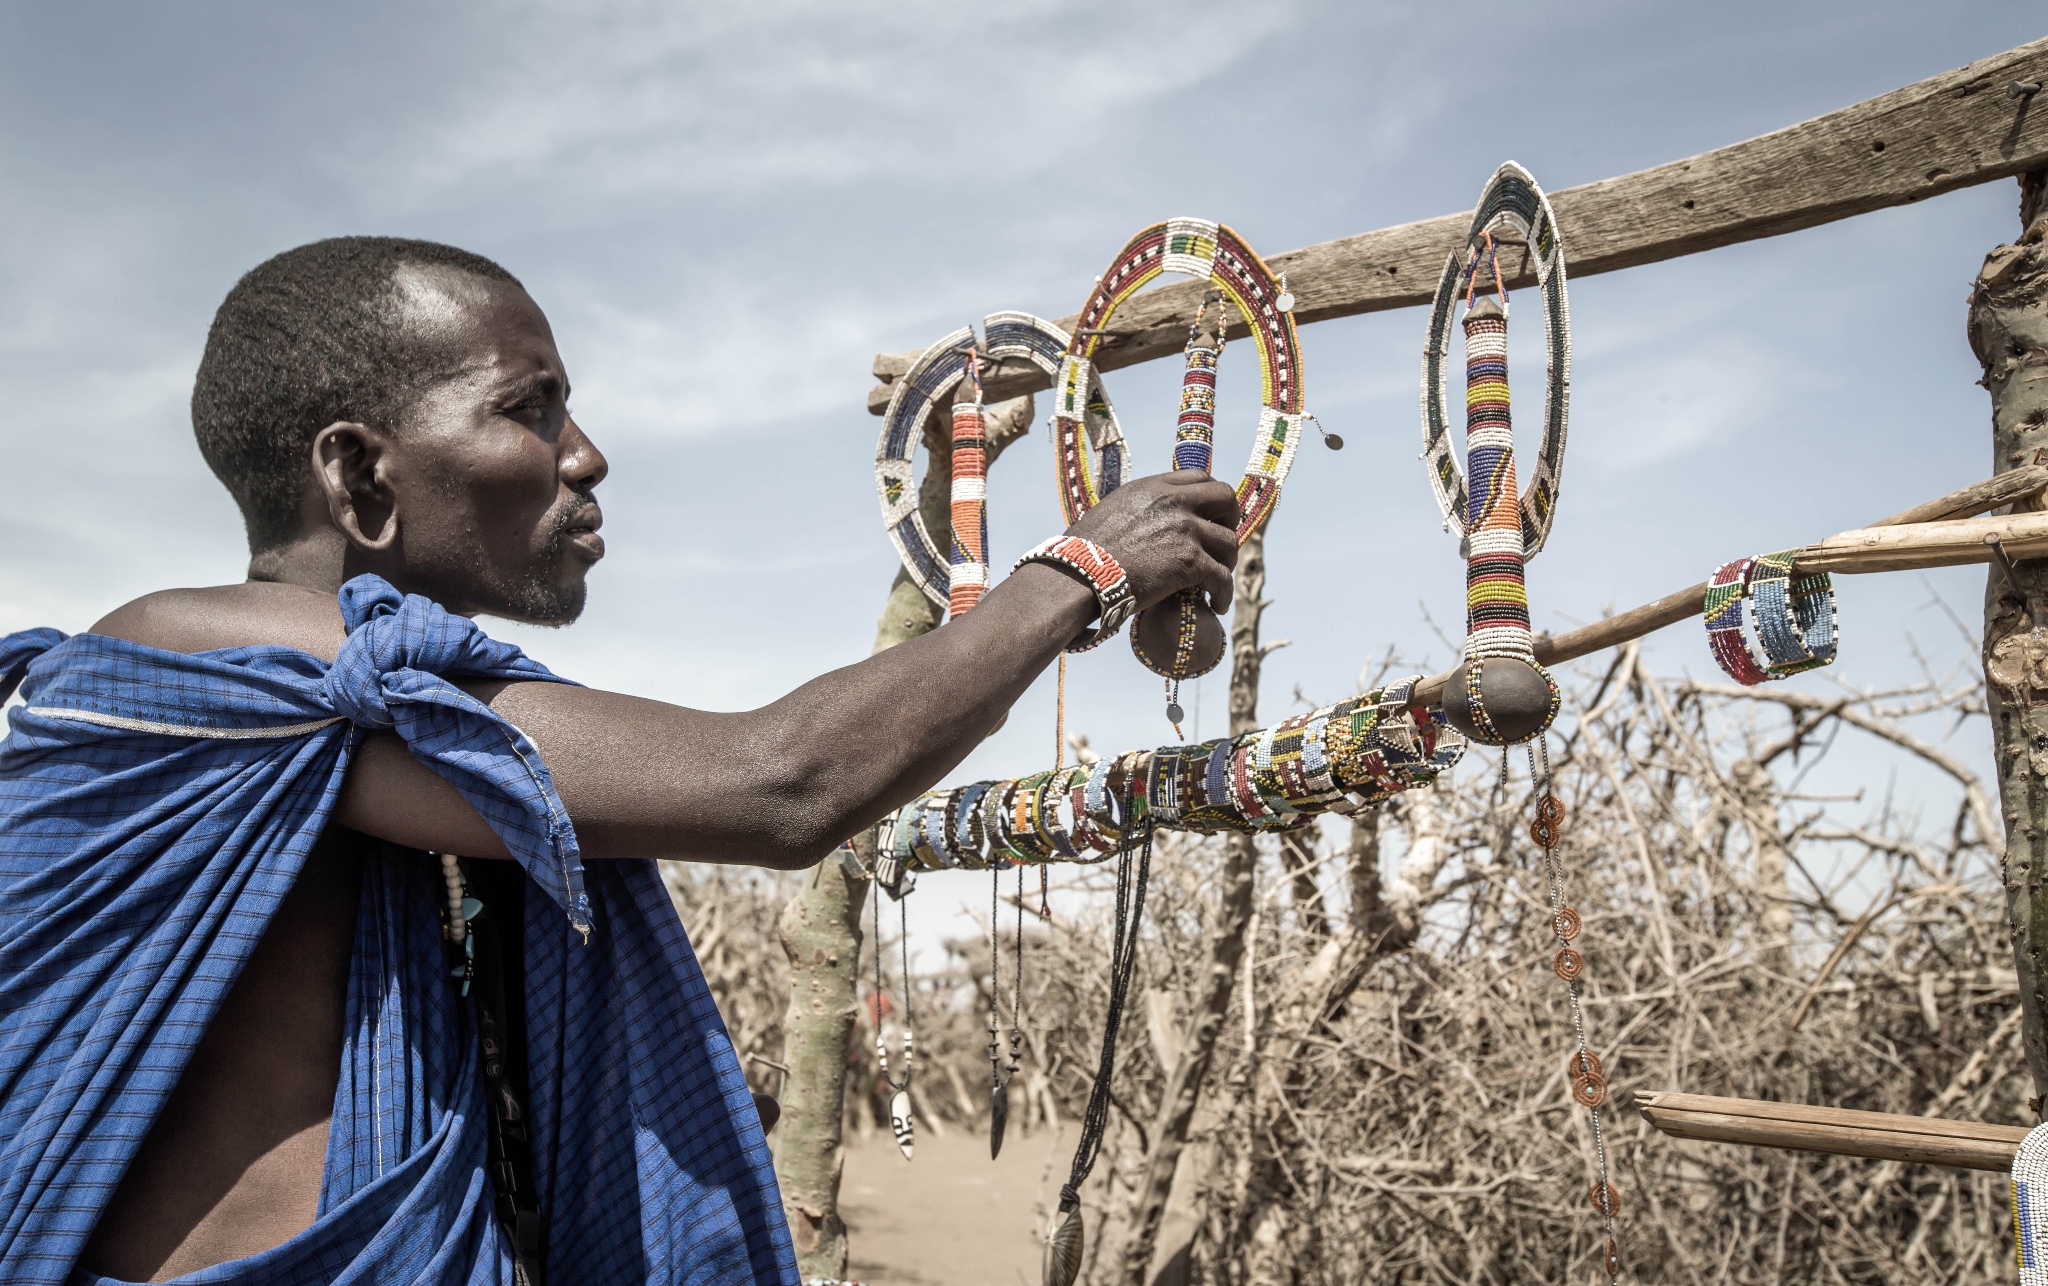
{"x": 361, "y": 506}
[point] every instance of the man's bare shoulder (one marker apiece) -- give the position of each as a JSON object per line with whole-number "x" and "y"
{"x": 253, "y": 614}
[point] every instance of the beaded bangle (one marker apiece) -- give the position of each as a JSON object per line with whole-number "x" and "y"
{"x": 965, "y": 819}
{"x": 1093, "y": 564}
{"x": 1795, "y": 615}
{"x": 1512, "y": 202}
{"x": 1213, "y": 252}
{"x": 933, "y": 376}
{"x": 1726, "y": 590}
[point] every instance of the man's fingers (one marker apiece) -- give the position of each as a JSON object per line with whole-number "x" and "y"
{"x": 1215, "y": 578}
{"x": 1205, "y": 496}
{"x": 1218, "y": 541}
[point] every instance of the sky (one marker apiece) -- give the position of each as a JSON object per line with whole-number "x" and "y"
{"x": 727, "y": 210}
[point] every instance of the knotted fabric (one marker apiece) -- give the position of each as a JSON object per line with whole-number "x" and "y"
{"x": 156, "y": 806}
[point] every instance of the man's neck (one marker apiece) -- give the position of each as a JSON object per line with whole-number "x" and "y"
{"x": 317, "y": 561}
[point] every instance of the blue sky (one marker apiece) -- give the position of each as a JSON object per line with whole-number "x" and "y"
{"x": 727, "y": 210}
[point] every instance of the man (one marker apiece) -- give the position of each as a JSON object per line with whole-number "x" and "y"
{"x": 229, "y": 1037}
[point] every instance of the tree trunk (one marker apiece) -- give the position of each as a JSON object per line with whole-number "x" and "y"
{"x": 2009, "y": 333}
{"x": 1226, "y": 937}
{"x": 820, "y": 927}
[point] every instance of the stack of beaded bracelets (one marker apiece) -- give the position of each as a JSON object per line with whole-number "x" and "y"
{"x": 1342, "y": 758}
{"x": 1795, "y": 618}
{"x": 1093, "y": 564}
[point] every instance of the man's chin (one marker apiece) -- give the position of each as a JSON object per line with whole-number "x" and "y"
{"x": 544, "y": 603}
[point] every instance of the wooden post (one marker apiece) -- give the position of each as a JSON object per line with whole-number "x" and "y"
{"x": 1226, "y": 944}
{"x": 2009, "y": 332}
{"x": 820, "y": 927}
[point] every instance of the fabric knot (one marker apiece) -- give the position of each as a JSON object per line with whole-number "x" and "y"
{"x": 17, "y": 650}
{"x": 394, "y": 641}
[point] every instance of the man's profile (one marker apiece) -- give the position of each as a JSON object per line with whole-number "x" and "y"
{"x": 255, "y": 1017}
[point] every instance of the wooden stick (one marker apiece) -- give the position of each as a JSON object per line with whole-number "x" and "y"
{"x": 1950, "y": 131}
{"x": 1929, "y": 1140}
{"x": 1901, "y": 542}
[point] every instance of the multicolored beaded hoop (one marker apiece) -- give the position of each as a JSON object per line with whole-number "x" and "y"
{"x": 934, "y": 375}
{"x": 1511, "y": 202}
{"x": 1216, "y": 254}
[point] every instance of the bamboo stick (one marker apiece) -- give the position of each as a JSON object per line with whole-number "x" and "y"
{"x": 1943, "y": 532}
{"x": 1928, "y": 1140}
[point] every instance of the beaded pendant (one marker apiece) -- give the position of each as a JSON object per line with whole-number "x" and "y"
{"x": 1181, "y": 639}
{"x": 934, "y": 376}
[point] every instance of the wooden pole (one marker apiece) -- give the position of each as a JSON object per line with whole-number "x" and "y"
{"x": 2008, "y": 329}
{"x": 1935, "y": 534}
{"x": 1884, "y": 1136}
{"x": 1950, "y": 131}
{"x": 820, "y": 927}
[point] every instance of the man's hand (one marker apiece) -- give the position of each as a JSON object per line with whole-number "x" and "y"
{"x": 1171, "y": 531}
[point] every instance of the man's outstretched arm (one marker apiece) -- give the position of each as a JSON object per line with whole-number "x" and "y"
{"x": 782, "y": 785}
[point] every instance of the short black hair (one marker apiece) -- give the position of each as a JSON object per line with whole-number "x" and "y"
{"x": 310, "y": 337}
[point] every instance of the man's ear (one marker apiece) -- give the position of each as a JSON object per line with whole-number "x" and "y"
{"x": 349, "y": 468}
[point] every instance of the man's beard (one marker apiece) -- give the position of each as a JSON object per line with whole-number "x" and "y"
{"x": 537, "y": 600}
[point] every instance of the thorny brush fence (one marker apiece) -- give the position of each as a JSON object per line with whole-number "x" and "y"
{"x": 1394, "y": 1099}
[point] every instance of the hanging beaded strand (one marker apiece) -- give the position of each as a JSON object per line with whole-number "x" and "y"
{"x": 970, "y": 494}
{"x": 1588, "y": 1079}
{"x": 900, "y": 1118}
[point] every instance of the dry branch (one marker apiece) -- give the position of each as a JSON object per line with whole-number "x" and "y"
{"x": 1928, "y": 1140}
{"x": 1947, "y": 132}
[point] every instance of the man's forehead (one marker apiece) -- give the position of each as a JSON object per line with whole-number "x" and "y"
{"x": 480, "y": 323}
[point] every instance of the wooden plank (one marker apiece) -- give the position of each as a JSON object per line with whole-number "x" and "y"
{"x": 1950, "y": 131}
{"x": 1900, "y": 542}
{"x": 1843, "y": 1132}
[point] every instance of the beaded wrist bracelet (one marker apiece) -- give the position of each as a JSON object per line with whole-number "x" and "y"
{"x": 1795, "y": 615}
{"x": 1727, "y": 588}
{"x": 1095, "y": 565}
{"x": 1795, "y": 618}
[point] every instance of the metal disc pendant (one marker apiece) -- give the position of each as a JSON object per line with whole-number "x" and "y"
{"x": 1286, "y": 301}
{"x": 1174, "y": 714}
{"x": 900, "y": 1122}
{"x": 1333, "y": 441}
{"x": 1063, "y": 1252}
{"x": 998, "y": 1118}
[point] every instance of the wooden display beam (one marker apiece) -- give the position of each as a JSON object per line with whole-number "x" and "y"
{"x": 1941, "y": 533}
{"x": 1928, "y": 1140}
{"x": 1973, "y": 125}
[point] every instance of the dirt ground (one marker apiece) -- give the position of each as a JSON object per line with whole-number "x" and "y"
{"x": 951, "y": 1217}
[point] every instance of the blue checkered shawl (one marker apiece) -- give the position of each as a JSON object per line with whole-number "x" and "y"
{"x": 155, "y": 807}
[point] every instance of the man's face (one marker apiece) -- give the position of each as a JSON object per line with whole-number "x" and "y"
{"x": 491, "y": 476}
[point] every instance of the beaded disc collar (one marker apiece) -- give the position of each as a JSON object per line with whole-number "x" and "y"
{"x": 1210, "y": 252}
{"x": 935, "y": 374}
{"x": 1512, "y": 203}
